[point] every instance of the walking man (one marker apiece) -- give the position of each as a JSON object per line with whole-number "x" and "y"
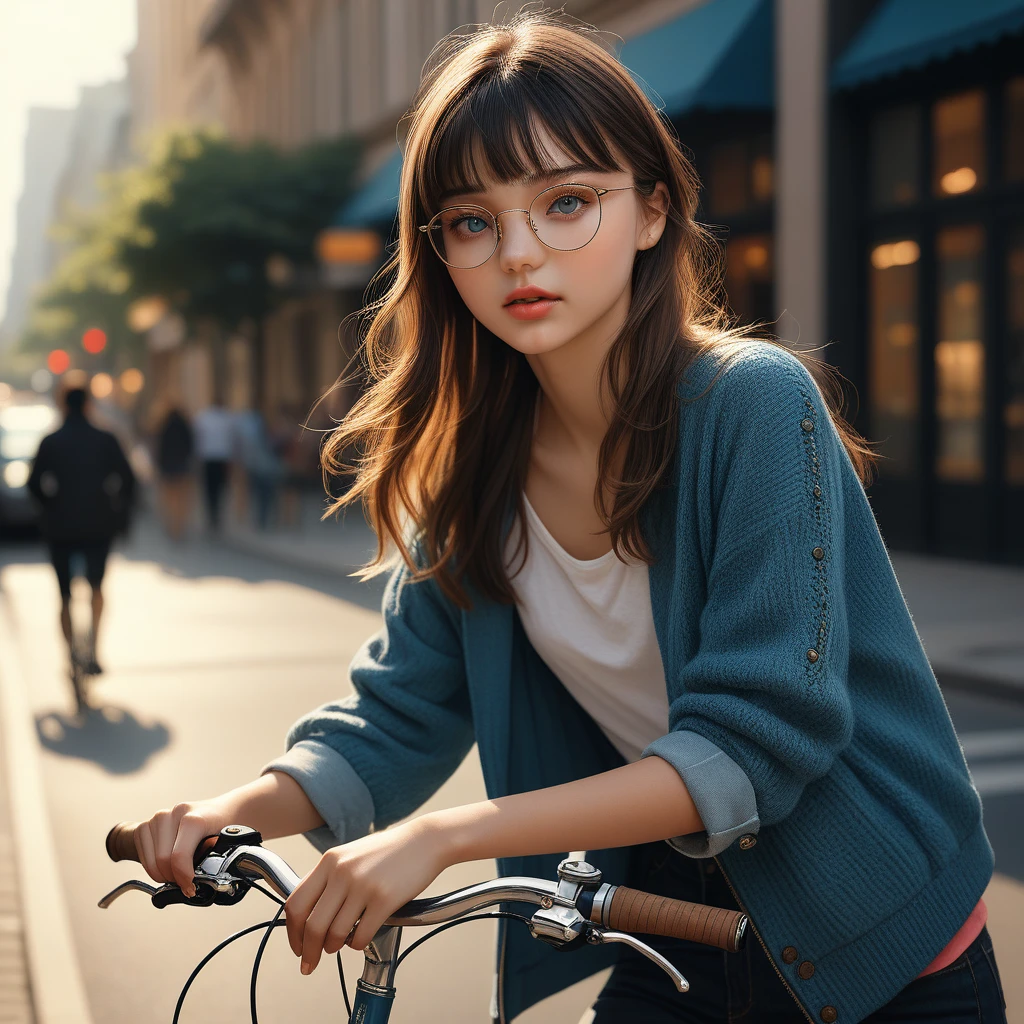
{"x": 84, "y": 484}
{"x": 214, "y": 430}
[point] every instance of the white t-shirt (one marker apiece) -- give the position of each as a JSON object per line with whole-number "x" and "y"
{"x": 591, "y": 622}
{"x": 214, "y": 431}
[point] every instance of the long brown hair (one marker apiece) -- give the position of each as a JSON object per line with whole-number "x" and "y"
{"x": 442, "y": 432}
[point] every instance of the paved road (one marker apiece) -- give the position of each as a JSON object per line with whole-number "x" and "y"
{"x": 210, "y": 655}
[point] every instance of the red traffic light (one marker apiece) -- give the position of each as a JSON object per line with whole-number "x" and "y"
{"x": 58, "y": 361}
{"x": 94, "y": 340}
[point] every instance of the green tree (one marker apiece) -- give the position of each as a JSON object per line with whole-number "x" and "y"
{"x": 196, "y": 224}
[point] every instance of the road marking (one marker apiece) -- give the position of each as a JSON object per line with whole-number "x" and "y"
{"x": 995, "y": 743}
{"x": 58, "y": 992}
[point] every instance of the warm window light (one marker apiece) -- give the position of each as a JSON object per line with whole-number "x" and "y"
{"x": 58, "y": 361}
{"x": 895, "y": 254}
{"x": 132, "y": 381}
{"x": 756, "y": 257}
{"x": 102, "y": 385}
{"x": 146, "y": 313}
{"x": 963, "y": 179}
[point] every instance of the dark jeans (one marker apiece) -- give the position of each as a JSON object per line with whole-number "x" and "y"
{"x": 215, "y": 476}
{"x": 743, "y": 987}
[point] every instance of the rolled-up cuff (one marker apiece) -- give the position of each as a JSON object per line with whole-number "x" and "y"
{"x": 720, "y": 790}
{"x": 333, "y": 788}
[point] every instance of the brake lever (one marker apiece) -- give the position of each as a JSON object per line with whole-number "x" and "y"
{"x": 149, "y": 890}
{"x": 225, "y": 894}
{"x": 597, "y": 937}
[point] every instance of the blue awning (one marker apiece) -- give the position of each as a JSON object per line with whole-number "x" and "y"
{"x": 904, "y": 34}
{"x": 376, "y": 203}
{"x": 716, "y": 56}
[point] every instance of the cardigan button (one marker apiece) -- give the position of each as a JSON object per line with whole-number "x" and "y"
{"x": 817, "y": 491}
{"x": 806, "y": 970}
{"x": 829, "y": 1014}
{"x": 818, "y": 554}
{"x": 746, "y": 842}
{"x": 808, "y": 425}
{"x": 812, "y": 655}
{"x": 789, "y": 954}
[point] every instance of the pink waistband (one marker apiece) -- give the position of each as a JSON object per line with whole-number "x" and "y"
{"x": 969, "y": 931}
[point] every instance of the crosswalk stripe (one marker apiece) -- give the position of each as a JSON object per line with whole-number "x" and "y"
{"x": 994, "y": 743}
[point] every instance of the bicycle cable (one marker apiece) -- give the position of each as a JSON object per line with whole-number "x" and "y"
{"x": 259, "y": 958}
{"x": 452, "y": 924}
{"x": 209, "y": 956}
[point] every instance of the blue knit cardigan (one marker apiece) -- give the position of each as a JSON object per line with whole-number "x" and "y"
{"x": 803, "y": 714}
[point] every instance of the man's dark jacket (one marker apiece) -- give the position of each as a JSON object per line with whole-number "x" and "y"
{"x": 83, "y": 482}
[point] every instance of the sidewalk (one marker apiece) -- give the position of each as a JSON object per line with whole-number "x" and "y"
{"x": 970, "y": 614}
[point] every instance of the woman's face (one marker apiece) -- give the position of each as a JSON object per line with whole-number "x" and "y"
{"x": 590, "y": 285}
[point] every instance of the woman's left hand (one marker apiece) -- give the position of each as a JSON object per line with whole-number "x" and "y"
{"x": 364, "y": 881}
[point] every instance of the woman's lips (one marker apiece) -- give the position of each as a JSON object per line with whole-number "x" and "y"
{"x": 531, "y": 310}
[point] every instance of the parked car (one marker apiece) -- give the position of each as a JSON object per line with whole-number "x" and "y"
{"x": 22, "y": 427}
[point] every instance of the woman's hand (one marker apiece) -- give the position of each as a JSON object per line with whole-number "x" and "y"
{"x": 167, "y": 842}
{"x": 365, "y": 881}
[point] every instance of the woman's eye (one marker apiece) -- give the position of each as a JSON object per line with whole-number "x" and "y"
{"x": 472, "y": 224}
{"x": 567, "y": 205}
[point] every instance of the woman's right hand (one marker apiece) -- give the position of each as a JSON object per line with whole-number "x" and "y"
{"x": 167, "y": 842}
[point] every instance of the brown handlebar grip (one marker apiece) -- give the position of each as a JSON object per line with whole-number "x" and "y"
{"x": 121, "y": 841}
{"x": 634, "y": 911}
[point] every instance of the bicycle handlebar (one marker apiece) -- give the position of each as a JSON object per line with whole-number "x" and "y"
{"x": 614, "y": 907}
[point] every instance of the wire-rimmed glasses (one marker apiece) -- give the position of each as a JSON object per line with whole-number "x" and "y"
{"x": 563, "y": 217}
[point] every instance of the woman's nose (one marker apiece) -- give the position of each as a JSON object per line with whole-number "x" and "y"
{"x": 518, "y": 246}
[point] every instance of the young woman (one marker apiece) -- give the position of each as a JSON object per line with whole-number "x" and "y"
{"x": 635, "y": 564}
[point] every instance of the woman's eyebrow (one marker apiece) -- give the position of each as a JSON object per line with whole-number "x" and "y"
{"x": 473, "y": 188}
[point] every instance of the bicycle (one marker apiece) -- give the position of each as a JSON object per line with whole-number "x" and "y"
{"x": 577, "y": 909}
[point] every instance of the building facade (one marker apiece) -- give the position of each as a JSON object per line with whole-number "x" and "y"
{"x": 861, "y": 163}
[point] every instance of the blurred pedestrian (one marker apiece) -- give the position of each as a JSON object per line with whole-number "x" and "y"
{"x": 85, "y": 486}
{"x": 214, "y": 442}
{"x": 258, "y": 457}
{"x": 174, "y": 454}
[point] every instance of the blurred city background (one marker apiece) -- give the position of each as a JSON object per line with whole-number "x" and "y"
{"x": 194, "y": 195}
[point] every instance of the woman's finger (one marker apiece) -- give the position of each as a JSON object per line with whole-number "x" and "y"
{"x": 370, "y": 922}
{"x": 300, "y": 904}
{"x": 341, "y": 927}
{"x": 319, "y": 921}
{"x": 163, "y": 827}
{"x": 146, "y": 851}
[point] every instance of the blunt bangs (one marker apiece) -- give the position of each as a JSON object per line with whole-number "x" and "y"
{"x": 494, "y": 133}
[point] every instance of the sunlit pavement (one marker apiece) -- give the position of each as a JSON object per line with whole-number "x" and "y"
{"x": 210, "y": 654}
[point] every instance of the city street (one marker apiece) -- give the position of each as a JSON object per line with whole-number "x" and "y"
{"x": 210, "y": 654}
{"x": 209, "y": 657}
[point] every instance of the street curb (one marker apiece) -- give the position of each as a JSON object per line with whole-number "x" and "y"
{"x": 58, "y": 992}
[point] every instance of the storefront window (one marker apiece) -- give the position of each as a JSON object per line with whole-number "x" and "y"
{"x": 749, "y": 277}
{"x": 1014, "y": 129}
{"x": 741, "y": 175}
{"x": 960, "y": 356}
{"x": 894, "y": 356}
{"x": 958, "y": 124}
{"x": 895, "y": 156}
{"x": 1013, "y": 412}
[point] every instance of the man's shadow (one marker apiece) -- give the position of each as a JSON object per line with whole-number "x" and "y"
{"x": 109, "y": 736}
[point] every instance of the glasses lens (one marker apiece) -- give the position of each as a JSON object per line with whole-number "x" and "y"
{"x": 566, "y": 216}
{"x": 463, "y": 236}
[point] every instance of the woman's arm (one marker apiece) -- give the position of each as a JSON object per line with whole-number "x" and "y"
{"x": 356, "y": 887}
{"x": 638, "y": 803}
